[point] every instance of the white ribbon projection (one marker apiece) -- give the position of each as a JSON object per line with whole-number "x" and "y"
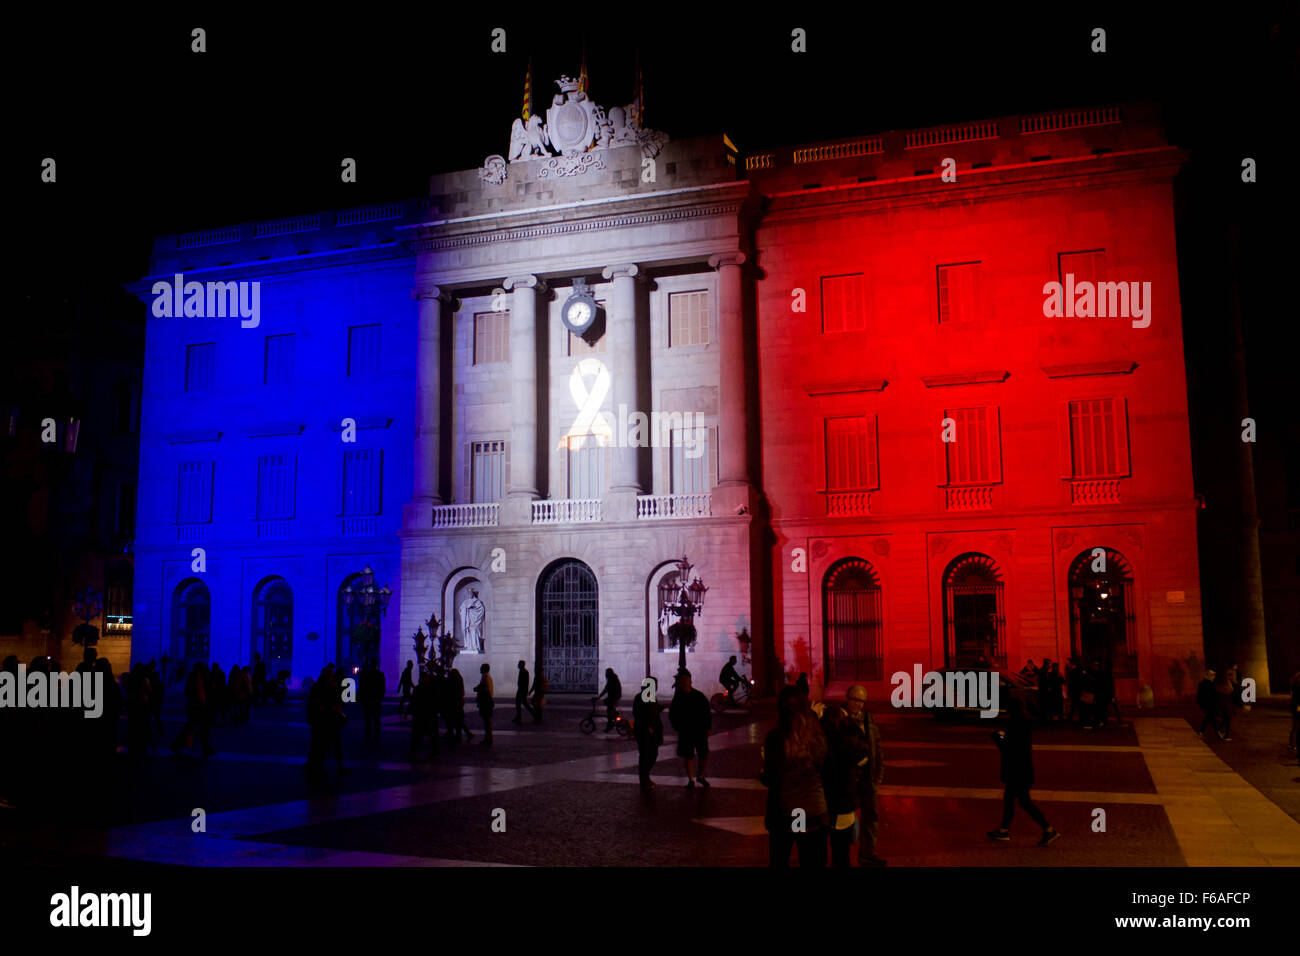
{"x": 590, "y": 420}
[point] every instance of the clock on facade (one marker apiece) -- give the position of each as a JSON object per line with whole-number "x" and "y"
{"x": 579, "y": 310}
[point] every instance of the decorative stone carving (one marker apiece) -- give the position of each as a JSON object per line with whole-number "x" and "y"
{"x": 1004, "y": 542}
{"x": 819, "y": 548}
{"x": 1064, "y": 538}
{"x": 576, "y": 128}
{"x": 494, "y": 170}
{"x": 938, "y": 543}
{"x": 881, "y": 547}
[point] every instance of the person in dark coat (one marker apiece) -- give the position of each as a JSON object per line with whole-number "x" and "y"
{"x": 1043, "y": 678}
{"x": 105, "y": 743}
{"x": 259, "y": 678}
{"x": 851, "y": 778}
{"x": 613, "y": 693}
{"x": 484, "y": 694}
{"x": 521, "y": 695}
{"x": 1074, "y": 690}
{"x": 648, "y": 729}
{"x": 453, "y": 707}
{"x": 1223, "y": 691}
{"x": 406, "y": 687}
{"x": 156, "y": 687}
{"x": 1016, "y": 746}
{"x": 137, "y": 711}
{"x": 691, "y": 717}
{"x": 1208, "y": 702}
{"x": 540, "y": 686}
{"x": 197, "y": 718}
{"x": 370, "y": 695}
{"x": 424, "y": 713}
{"x": 794, "y": 755}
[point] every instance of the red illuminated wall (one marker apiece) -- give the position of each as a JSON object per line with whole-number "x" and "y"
{"x": 1103, "y": 186}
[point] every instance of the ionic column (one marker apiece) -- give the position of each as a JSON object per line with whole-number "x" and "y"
{"x": 517, "y": 509}
{"x": 428, "y": 402}
{"x": 734, "y": 486}
{"x": 621, "y": 330}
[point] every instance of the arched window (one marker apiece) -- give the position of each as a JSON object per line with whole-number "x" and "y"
{"x": 568, "y": 627}
{"x": 191, "y": 617}
{"x": 854, "y": 644}
{"x": 974, "y": 620}
{"x": 273, "y": 624}
{"x": 1102, "y": 619}
{"x": 350, "y": 643}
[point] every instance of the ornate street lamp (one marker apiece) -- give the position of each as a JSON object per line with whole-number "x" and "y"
{"x": 88, "y": 604}
{"x": 371, "y": 600}
{"x": 683, "y": 596}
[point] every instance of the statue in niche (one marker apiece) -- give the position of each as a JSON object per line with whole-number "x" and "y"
{"x": 471, "y": 623}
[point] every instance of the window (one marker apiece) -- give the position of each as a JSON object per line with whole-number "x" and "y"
{"x": 491, "y": 337}
{"x": 844, "y": 299}
{"x": 974, "y": 455}
{"x": 591, "y": 343}
{"x": 194, "y": 492}
{"x": 690, "y": 461}
{"x": 1086, "y": 266}
{"x": 363, "y": 481}
{"x": 275, "y": 486}
{"x": 191, "y": 615}
{"x": 278, "y": 366}
{"x": 959, "y": 292}
{"x": 851, "y": 463}
{"x": 973, "y": 613}
{"x": 273, "y": 624}
{"x": 126, "y": 508}
{"x": 854, "y": 646}
{"x": 688, "y": 318}
{"x": 487, "y": 470}
{"x": 587, "y": 466}
{"x": 1098, "y": 438}
{"x": 363, "y": 350}
{"x": 1103, "y": 622}
{"x": 200, "y": 367}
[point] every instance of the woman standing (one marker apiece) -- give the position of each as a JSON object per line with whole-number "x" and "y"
{"x": 648, "y": 729}
{"x": 794, "y": 754}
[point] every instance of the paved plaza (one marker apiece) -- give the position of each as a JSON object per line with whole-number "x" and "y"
{"x": 1170, "y": 799}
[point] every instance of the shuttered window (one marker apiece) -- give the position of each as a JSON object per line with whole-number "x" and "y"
{"x": 974, "y": 457}
{"x": 201, "y": 367}
{"x": 276, "y": 476}
{"x": 959, "y": 292}
{"x": 363, "y": 481}
{"x": 688, "y": 318}
{"x": 194, "y": 492}
{"x": 491, "y": 337}
{"x": 363, "y": 350}
{"x": 278, "y": 368}
{"x": 851, "y": 454}
{"x": 844, "y": 303}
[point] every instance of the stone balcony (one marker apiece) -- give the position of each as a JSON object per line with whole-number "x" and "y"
{"x": 1095, "y": 491}
{"x": 846, "y": 504}
{"x": 969, "y": 498}
{"x": 566, "y": 510}
{"x": 653, "y": 507}
{"x": 479, "y": 514}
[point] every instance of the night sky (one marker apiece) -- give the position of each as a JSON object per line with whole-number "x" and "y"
{"x": 151, "y": 138}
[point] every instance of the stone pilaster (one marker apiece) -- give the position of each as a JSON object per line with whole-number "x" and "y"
{"x": 428, "y": 405}
{"x": 735, "y": 489}
{"x": 624, "y": 486}
{"x": 522, "y": 488}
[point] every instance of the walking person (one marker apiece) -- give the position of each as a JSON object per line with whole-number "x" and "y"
{"x": 1074, "y": 689}
{"x": 156, "y": 684}
{"x": 613, "y": 693}
{"x": 1016, "y": 746}
{"x": 217, "y": 694}
{"x": 521, "y": 695}
{"x": 318, "y": 719}
{"x": 405, "y": 687}
{"x": 794, "y": 754}
{"x": 1208, "y": 701}
{"x": 370, "y": 695}
{"x": 691, "y": 717}
{"x": 1043, "y": 678}
{"x": 483, "y": 699}
{"x": 197, "y": 719}
{"x": 648, "y": 730}
{"x": 238, "y": 694}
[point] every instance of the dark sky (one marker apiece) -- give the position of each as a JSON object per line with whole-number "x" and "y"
{"x": 151, "y": 138}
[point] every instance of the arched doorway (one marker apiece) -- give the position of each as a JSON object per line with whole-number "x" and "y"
{"x": 191, "y": 620}
{"x": 568, "y": 628}
{"x": 852, "y": 640}
{"x": 273, "y": 624}
{"x": 350, "y": 641}
{"x": 974, "y": 619}
{"x": 1102, "y": 618}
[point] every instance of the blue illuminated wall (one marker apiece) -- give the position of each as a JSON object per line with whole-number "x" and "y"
{"x": 204, "y": 430}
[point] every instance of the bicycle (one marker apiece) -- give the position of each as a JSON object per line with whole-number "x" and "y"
{"x": 740, "y": 697}
{"x": 588, "y": 724}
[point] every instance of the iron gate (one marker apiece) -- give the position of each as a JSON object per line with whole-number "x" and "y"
{"x": 568, "y": 629}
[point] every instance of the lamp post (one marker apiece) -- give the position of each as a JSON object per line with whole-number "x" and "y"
{"x": 372, "y": 601}
{"x": 88, "y": 604}
{"x": 683, "y": 595}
